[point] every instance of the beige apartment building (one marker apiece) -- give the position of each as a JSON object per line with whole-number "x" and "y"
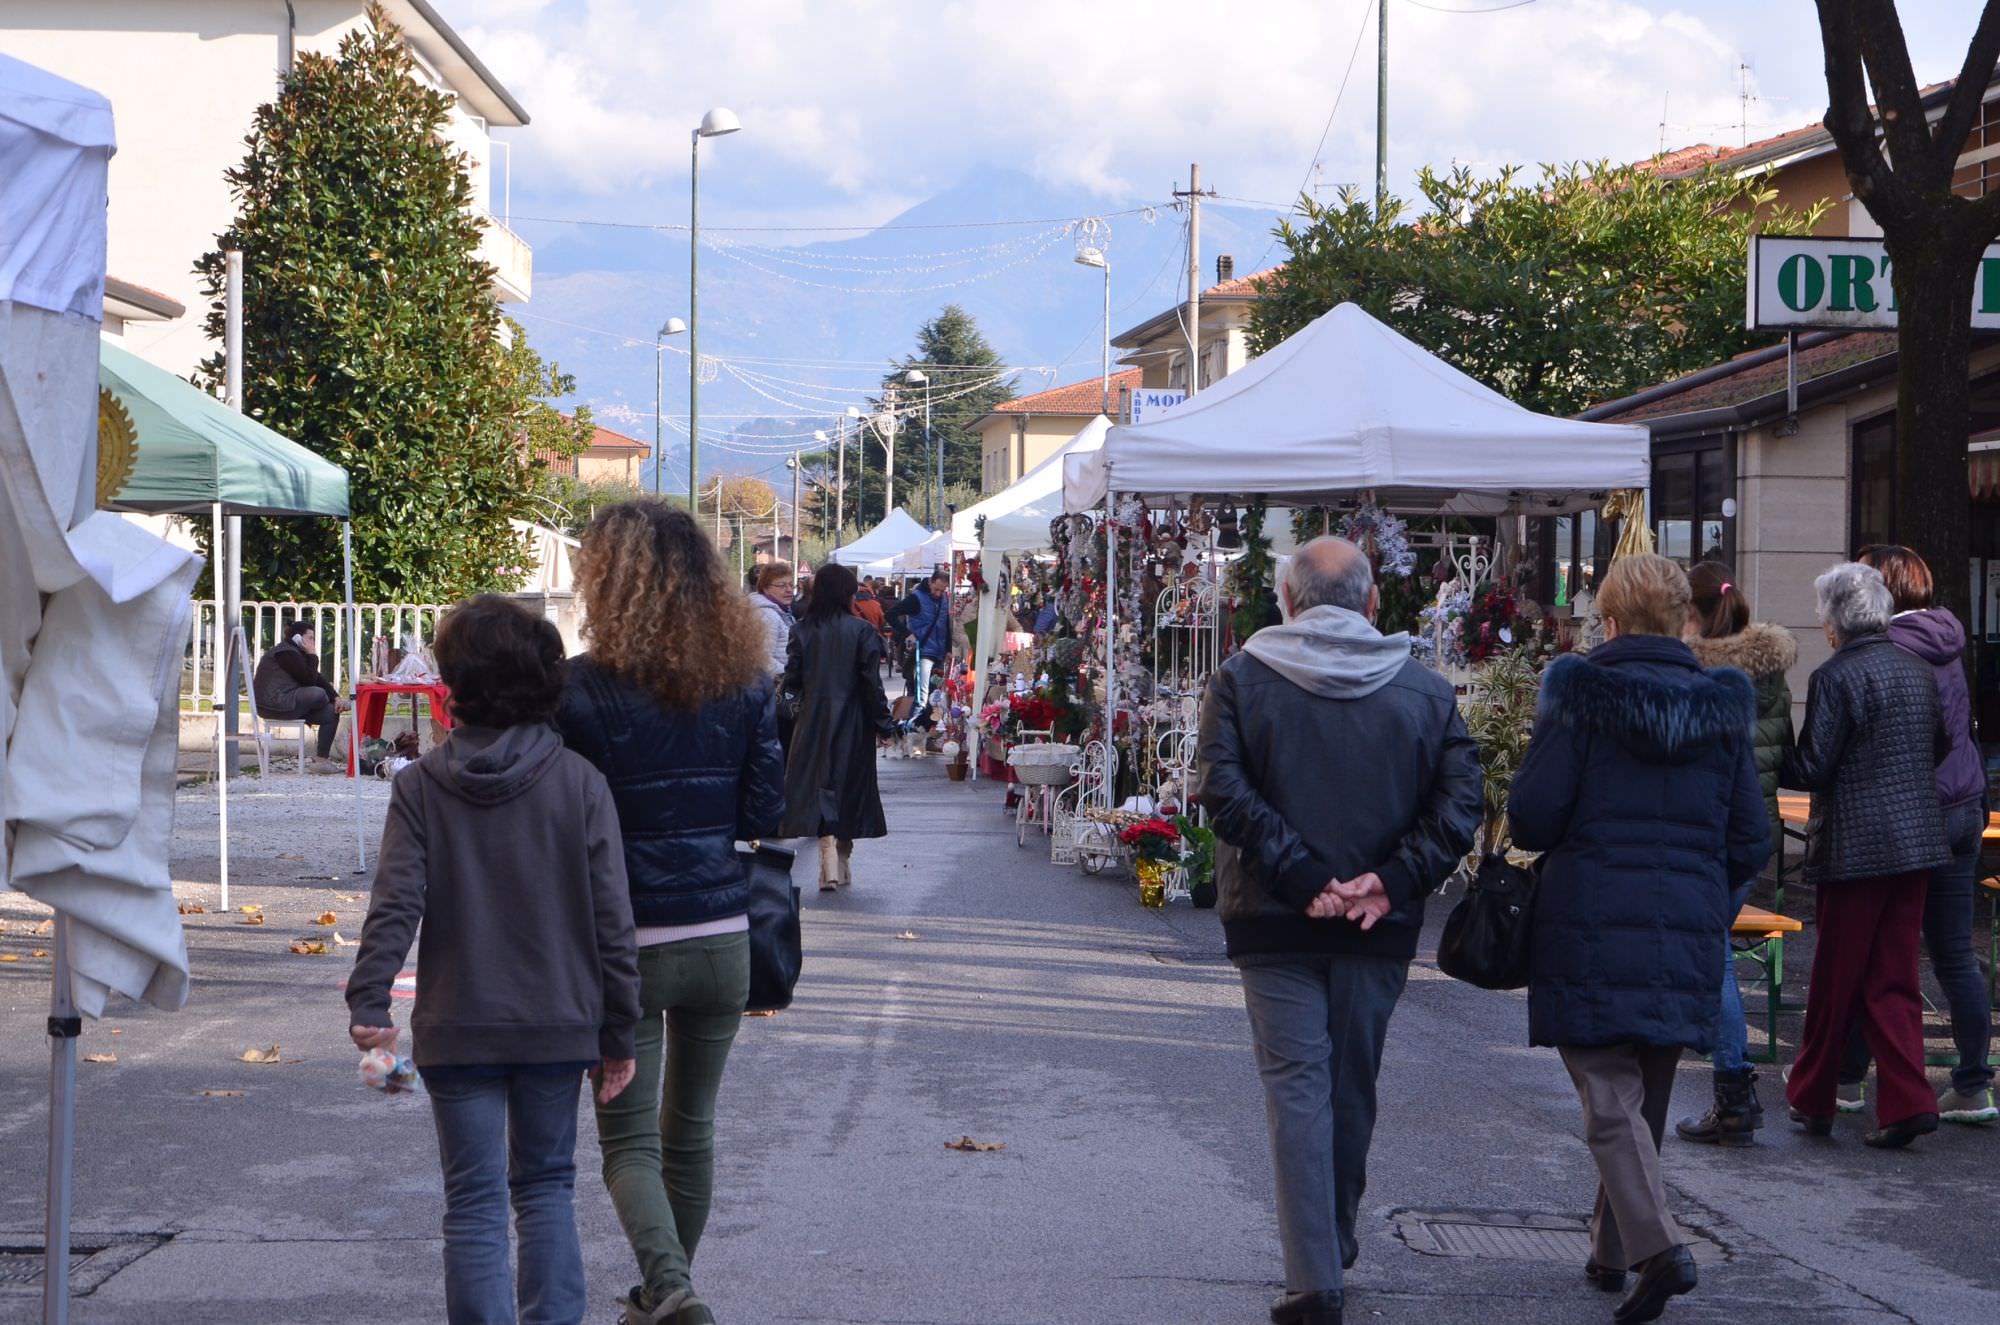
{"x": 1017, "y": 436}
{"x": 184, "y": 78}
{"x": 1158, "y": 347}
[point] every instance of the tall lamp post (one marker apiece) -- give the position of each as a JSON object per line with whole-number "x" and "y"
{"x": 1093, "y": 256}
{"x": 840, "y": 470}
{"x": 673, "y": 326}
{"x": 713, "y": 125}
{"x": 792, "y": 463}
{"x": 916, "y": 377}
{"x": 1093, "y": 244}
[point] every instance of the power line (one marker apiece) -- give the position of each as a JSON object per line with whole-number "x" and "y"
{"x": 836, "y": 229}
{"x": 1367, "y": 13}
{"x": 1490, "y": 9}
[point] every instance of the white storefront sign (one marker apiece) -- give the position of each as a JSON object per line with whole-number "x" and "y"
{"x": 1843, "y": 284}
{"x": 1148, "y": 404}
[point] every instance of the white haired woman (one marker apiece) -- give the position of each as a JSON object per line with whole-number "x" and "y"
{"x": 1867, "y": 751}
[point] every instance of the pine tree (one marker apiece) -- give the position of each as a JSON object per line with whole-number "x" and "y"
{"x": 370, "y": 332}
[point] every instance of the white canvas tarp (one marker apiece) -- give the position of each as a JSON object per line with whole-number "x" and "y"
{"x": 1347, "y": 405}
{"x": 1017, "y": 517}
{"x": 881, "y": 545}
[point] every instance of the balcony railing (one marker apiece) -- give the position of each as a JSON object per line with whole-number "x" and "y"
{"x": 513, "y": 261}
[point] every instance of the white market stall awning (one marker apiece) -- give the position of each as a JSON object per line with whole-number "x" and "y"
{"x": 933, "y": 552}
{"x": 1347, "y": 405}
{"x": 1017, "y": 518}
{"x": 884, "y": 543}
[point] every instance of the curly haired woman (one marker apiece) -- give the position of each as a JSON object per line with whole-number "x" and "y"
{"x": 673, "y": 704}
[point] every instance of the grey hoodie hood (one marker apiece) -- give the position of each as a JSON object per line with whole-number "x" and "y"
{"x": 1331, "y": 652}
{"x": 489, "y": 765}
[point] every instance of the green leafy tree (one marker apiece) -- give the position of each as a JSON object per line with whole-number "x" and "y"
{"x": 371, "y": 335}
{"x": 1902, "y": 162}
{"x": 1560, "y": 289}
{"x": 966, "y": 382}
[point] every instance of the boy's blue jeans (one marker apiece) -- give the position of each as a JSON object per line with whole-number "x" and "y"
{"x": 503, "y": 1136}
{"x": 1732, "y": 1039}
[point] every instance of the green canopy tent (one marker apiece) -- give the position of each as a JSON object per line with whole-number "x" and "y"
{"x": 166, "y": 447}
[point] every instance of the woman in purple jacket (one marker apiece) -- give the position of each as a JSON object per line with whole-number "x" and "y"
{"x": 1935, "y": 635}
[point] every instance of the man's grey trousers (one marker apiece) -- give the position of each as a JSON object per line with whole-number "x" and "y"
{"x": 1318, "y": 1024}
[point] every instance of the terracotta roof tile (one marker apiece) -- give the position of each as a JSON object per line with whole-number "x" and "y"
{"x": 606, "y": 440}
{"x": 1077, "y": 398}
{"x": 1240, "y": 287}
{"x": 1687, "y": 159}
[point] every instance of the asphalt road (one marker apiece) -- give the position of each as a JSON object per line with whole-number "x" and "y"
{"x": 963, "y": 987}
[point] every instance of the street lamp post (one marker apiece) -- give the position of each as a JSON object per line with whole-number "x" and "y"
{"x": 1094, "y": 256}
{"x": 916, "y": 377}
{"x": 793, "y": 465}
{"x": 673, "y": 326}
{"x": 713, "y": 125}
{"x": 840, "y": 471}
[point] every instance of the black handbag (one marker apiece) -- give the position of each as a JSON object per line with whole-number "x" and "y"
{"x": 775, "y": 951}
{"x": 1486, "y": 936}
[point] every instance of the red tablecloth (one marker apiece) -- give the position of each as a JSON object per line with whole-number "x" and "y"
{"x": 371, "y": 705}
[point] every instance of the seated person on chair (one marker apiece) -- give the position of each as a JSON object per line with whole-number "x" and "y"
{"x": 289, "y": 686}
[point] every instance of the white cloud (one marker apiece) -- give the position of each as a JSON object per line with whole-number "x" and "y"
{"x": 1111, "y": 99}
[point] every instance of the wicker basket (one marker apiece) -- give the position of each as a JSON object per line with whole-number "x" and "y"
{"x": 1043, "y": 765}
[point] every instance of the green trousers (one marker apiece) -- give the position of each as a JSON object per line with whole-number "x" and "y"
{"x": 658, "y": 1136}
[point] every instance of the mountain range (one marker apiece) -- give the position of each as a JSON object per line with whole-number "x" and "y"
{"x": 803, "y": 330}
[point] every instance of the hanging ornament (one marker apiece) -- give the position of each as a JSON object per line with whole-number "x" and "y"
{"x": 1226, "y": 533}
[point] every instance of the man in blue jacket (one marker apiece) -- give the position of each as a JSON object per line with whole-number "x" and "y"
{"x": 926, "y": 614}
{"x": 1323, "y": 863}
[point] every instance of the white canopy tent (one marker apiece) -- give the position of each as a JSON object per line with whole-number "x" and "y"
{"x": 1017, "y": 517}
{"x": 875, "y": 552}
{"x": 1348, "y": 406}
{"x": 93, "y": 616}
{"x": 932, "y": 552}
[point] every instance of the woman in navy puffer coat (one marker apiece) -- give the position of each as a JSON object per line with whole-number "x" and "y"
{"x": 1641, "y": 787}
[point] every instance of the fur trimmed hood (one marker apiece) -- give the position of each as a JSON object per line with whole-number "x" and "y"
{"x": 1648, "y": 695}
{"x": 1758, "y": 650}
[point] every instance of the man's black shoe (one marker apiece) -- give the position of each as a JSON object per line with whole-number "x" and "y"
{"x": 1814, "y": 1126}
{"x": 1661, "y": 1279}
{"x": 1306, "y": 1309}
{"x": 1897, "y": 1135}
{"x": 1608, "y": 1278}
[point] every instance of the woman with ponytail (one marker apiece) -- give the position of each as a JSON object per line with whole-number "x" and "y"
{"x": 1721, "y": 634}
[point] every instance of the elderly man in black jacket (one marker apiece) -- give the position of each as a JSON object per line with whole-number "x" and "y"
{"x": 1343, "y": 788}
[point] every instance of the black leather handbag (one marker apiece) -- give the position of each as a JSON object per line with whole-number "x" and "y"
{"x": 1486, "y": 936}
{"x": 775, "y": 950}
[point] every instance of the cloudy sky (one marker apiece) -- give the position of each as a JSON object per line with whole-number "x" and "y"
{"x": 854, "y": 109}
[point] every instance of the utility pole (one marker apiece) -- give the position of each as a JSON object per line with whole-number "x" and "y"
{"x": 840, "y": 483}
{"x": 795, "y": 506}
{"x": 1381, "y": 108}
{"x": 889, "y": 450}
{"x": 1193, "y": 196}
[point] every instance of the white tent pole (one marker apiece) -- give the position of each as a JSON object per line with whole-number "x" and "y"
{"x": 218, "y": 548}
{"x": 1111, "y": 639}
{"x": 229, "y": 588}
{"x": 353, "y": 673}
{"x": 64, "y": 1028}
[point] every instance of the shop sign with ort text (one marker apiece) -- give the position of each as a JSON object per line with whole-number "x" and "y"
{"x": 1844, "y": 284}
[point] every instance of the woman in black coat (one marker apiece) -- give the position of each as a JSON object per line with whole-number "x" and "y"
{"x": 833, "y": 672}
{"x": 1640, "y": 785}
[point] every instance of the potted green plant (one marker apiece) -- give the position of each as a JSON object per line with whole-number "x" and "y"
{"x": 1198, "y": 859}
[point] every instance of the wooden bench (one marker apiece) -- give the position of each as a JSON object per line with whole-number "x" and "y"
{"x": 1760, "y": 936}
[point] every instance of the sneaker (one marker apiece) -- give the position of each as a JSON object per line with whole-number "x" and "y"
{"x": 1851, "y": 1097}
{"x": 1978, "y": 1107}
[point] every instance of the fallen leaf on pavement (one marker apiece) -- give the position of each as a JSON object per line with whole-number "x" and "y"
{"x": 221, "y": 1094}
{"x": 326, "y": 918}
{"x": 254, "y": 918}
{"x": 46, "y": 926}
{"x": 908, "y": 936}
{"x": 261, "y": 1055}
{"x": 8, "y": 957}
{"x": 193, "y": 909}
{"x": 286, "y": 855}
{"x": 350, "y": 897}
{"x": 251, "y": 908}
{"x": 100, "y": 1058}
{"x": 39, "y": 952}
{"x": 116, "y": 1031}
{"x": 760, "y": 1012}
{"x": 309, "y": 947}
{"x": 978, "y": 1147}
{"x": 340, "y": 942}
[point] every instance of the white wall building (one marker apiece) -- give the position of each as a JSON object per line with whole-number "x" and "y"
{"x": 185, "y": 77}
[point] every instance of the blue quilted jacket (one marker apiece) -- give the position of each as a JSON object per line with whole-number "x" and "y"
{"x": 688, "y": 787}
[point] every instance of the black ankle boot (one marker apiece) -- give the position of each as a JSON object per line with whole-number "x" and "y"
{"x": 1306, "y": 1309}
{"x": 1734, "y": 1117}
{"x": 1661, "y": 1279}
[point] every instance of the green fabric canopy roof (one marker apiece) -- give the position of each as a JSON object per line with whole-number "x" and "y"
{"x": 192, "y": 451}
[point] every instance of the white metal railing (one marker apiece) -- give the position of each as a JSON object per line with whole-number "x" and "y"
{"x": 264, "y": 622}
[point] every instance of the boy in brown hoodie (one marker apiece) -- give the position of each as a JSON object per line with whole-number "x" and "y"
{"x": 505, "y": 846}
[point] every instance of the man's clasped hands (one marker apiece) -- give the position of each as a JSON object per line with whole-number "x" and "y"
{"x": 1361, "y": 899}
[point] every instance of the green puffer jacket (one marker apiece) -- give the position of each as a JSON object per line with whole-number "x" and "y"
{"x": 1765, "y": 653}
